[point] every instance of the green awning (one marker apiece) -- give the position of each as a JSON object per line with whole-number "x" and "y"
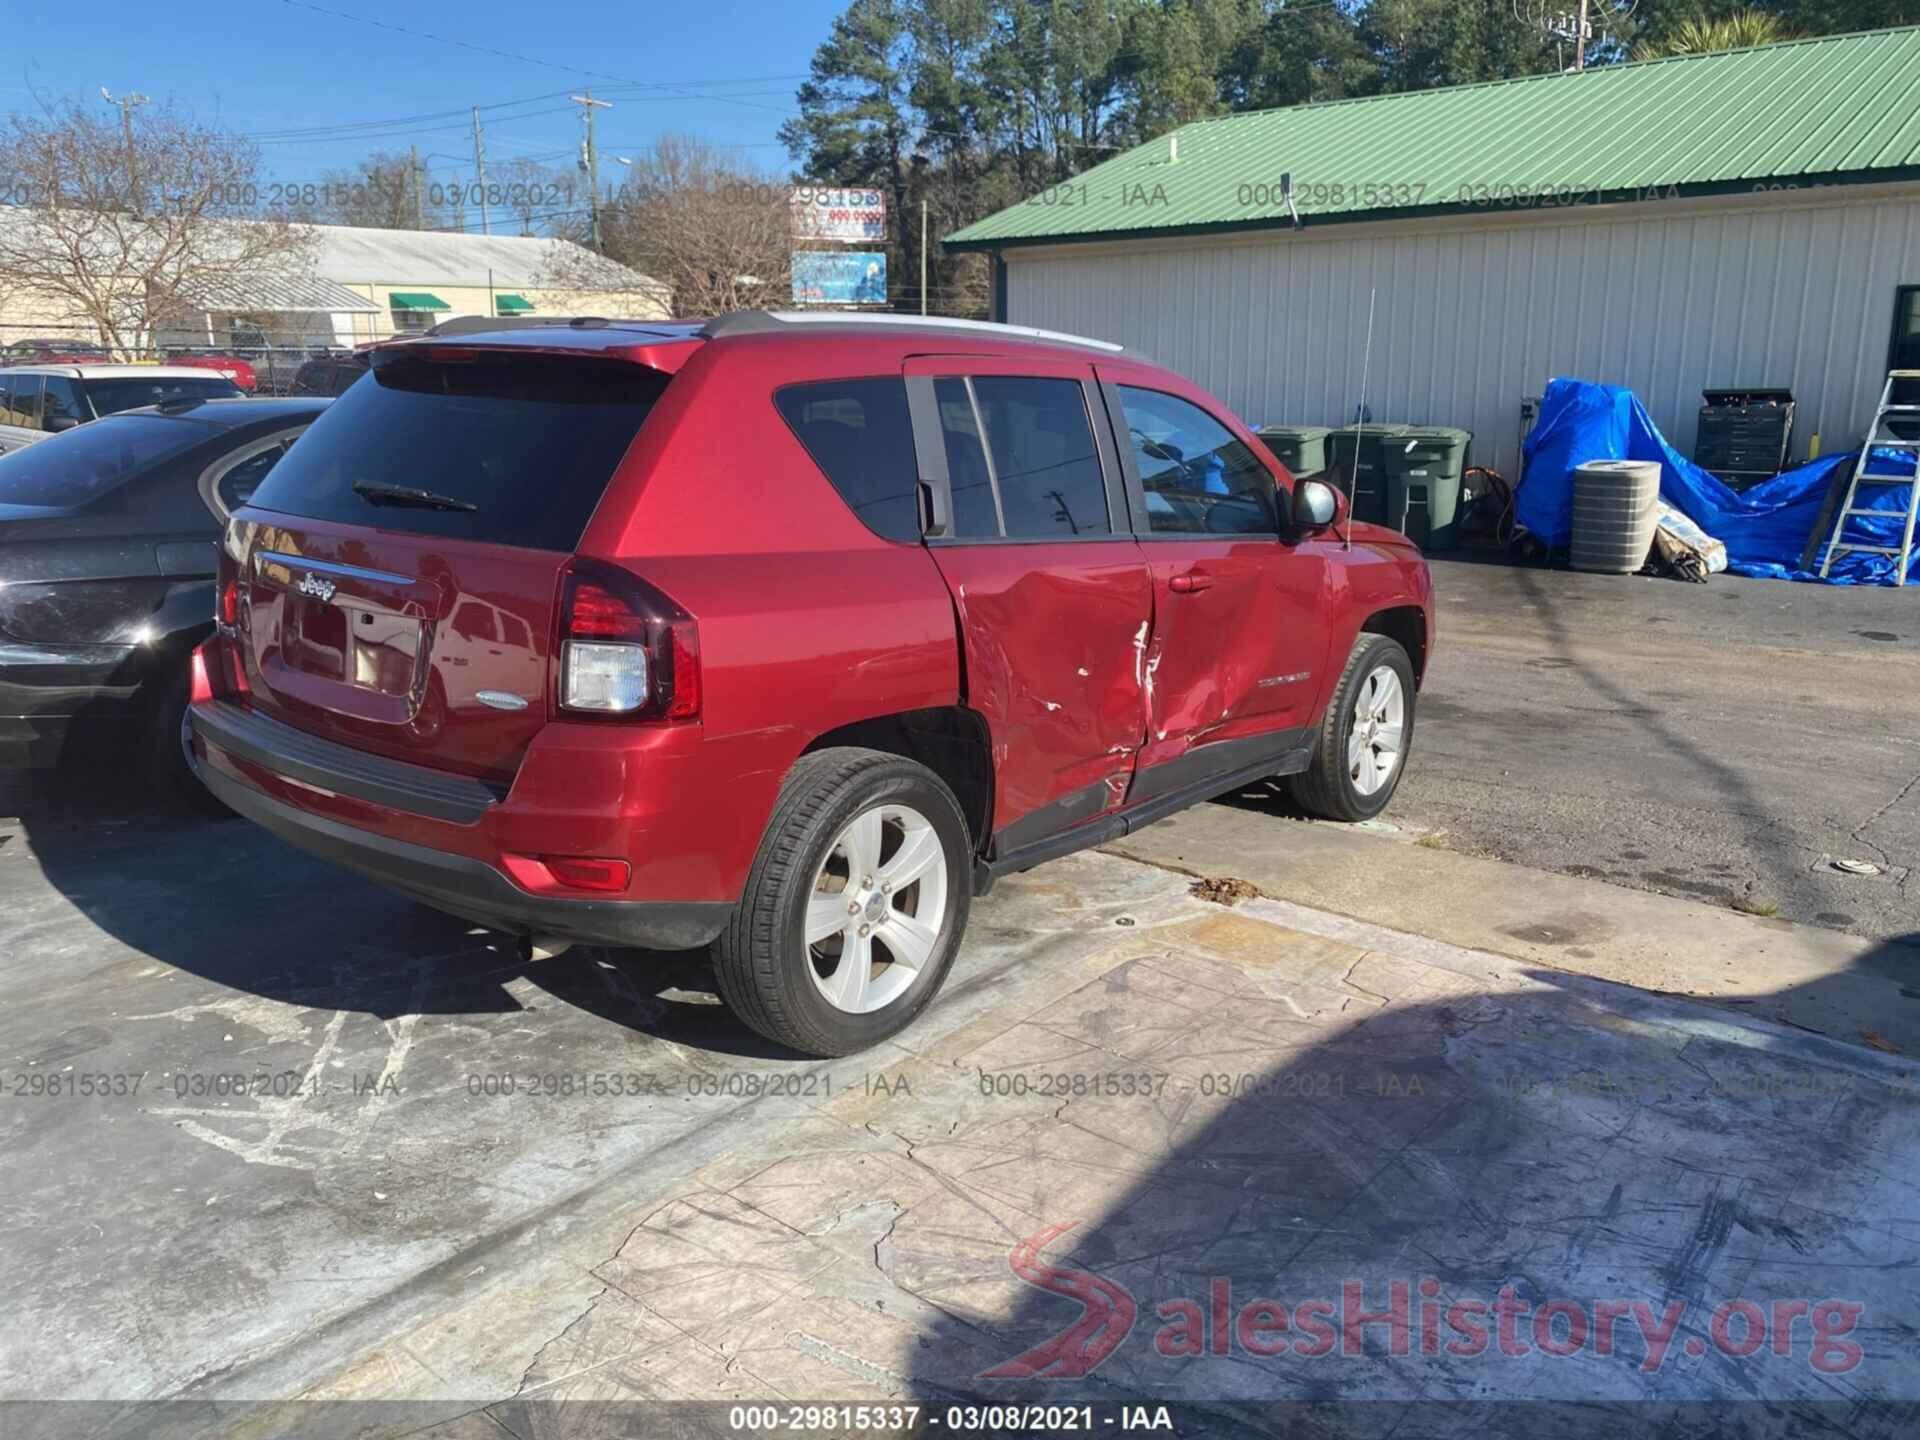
{"x": 511, "y": 305}
{"x": 416, "y": 300}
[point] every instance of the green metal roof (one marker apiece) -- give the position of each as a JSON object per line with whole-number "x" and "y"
{"x": 1842, "y": 108}
{"x": 416, "y": 300}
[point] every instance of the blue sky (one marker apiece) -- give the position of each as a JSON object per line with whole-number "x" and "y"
{"x": 725, "y": 70}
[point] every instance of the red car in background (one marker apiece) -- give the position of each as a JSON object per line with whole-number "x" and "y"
{"x": 785, "y": 634}
{"x": 239, "y": 371}
{"x": 42, "y": 351}
{"x": 54, "y": 352}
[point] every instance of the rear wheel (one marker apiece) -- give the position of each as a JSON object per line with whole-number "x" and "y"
{"x": 1365, "y": 737}
{"x": 167, "y": 769}
{"x": 855, "y": 905}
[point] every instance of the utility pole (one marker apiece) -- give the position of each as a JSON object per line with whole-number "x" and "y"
{"x": 128, "y": 104}
{"x": 480, "y": 172}
{"x": 413, "y": 174}
{"x": 590, "y": 162}
{"x": 1580, "y": 39}
{"x": 923, "y": 257}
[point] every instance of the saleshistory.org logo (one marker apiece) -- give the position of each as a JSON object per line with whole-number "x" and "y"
{"x": 1414, "y": 1319}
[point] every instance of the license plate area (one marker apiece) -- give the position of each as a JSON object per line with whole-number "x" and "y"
{"x": 365, "y": 647}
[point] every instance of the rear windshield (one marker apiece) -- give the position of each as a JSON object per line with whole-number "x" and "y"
{"x": 513, "y": 450}
{"x": 112, "y": 396}
{"x": 77, "y": 468}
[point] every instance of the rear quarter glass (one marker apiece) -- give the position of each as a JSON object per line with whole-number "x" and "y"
{"x": 529, "y": 441}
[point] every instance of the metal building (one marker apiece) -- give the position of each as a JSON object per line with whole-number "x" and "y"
{"x": 1745, "y": 219}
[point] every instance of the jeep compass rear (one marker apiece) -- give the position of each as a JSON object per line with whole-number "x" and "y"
{"x": 785, "y": 635}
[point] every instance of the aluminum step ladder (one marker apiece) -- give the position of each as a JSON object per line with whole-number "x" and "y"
{"x": 1903, "y": 553}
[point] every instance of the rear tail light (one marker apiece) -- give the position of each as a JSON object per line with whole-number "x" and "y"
{"x": 625, "y": 648}
{"x": 200, "y": 686}
{"x": 542, "y": 873}
{"x": 230, "y": 602}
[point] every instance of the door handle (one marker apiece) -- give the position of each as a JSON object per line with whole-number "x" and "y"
{"x": 1190, "y": 581}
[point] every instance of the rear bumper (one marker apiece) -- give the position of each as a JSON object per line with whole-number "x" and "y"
{"x": 464, "y": 885}
{"x": 48, "y": 694}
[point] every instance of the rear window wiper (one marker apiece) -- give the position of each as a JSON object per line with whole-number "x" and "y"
{"x": 409, "y": 495}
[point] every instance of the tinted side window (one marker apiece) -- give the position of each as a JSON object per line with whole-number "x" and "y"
{"x": 976, "y": 506}
{"x": 1044, "y": 461}
{"x": 1198, "y": 479}
{"x": 20, "y": 401}
{"x": 61, "y": 401}
{"x": 236, "y": 487}
{"x": 859, "y": 434}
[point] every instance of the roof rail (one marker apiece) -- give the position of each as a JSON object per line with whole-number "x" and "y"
{"x": 763, "y": 322}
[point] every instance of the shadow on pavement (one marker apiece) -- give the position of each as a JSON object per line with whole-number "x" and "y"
{"x": 1316, "y": 1228}
{"x": 192, "y": 893}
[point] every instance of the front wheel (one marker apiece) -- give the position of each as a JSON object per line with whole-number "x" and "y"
{"x": 855, "y": 905}
{"x": 1365, "y": 736}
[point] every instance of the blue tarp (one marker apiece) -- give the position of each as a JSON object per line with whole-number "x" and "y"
{"x": 1765, "y": 528}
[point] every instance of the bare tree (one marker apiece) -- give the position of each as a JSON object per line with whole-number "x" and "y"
{"x": 541, "y": 199}
{"x": 377, "y": 193}
{"x": 707, "y": 224}
{"x": 132, "y": 235}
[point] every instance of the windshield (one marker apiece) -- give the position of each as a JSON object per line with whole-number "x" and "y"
{"x": 75, "y": 469}
{"x": 112, "y": 396}
{"x": 511, "y": 450}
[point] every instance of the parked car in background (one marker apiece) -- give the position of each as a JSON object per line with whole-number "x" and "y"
{"x": 330, "y": 374}
{"x": 54, "y": 352}
{"x": 221, "y": 362}
{"x": 107, "y": 543}
{"x": 41, "y": 400}
{"x": 786, "y": 634}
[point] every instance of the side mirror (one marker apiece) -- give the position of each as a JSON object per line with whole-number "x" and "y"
{"x": 1314, "y": 505}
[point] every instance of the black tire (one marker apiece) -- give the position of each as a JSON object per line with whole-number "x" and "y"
{"x": 172, "y": 778}
{"x": 1326, "y": 787}
{"x": 762, "y": 961}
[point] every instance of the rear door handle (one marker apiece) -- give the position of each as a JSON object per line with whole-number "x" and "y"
{"x": 1190, "y": 581}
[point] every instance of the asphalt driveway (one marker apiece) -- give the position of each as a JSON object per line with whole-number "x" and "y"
{"x": 1723, "y": 742}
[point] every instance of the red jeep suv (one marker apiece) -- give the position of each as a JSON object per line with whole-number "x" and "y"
{"x": 786, "y": 634}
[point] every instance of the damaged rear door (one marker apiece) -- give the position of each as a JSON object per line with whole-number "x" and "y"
{"x": 1029, "y": 529}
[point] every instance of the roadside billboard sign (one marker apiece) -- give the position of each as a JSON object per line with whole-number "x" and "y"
{"x": 839, "y": 277}
{"x": 836, "y": 214}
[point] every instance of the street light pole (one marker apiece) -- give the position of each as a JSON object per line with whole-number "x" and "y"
{"x": 590, "y": 162}
{"x": 128, "y": 104}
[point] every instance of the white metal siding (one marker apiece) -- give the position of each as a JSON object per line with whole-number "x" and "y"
{"x": 1668, "y": 298}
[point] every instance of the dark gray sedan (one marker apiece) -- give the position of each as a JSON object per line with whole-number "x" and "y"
{"x": 107, "y": 548}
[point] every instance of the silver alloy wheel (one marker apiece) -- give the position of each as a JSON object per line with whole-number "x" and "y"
{"x": 1378, "y": 730}
{"x": 878, "y": 903}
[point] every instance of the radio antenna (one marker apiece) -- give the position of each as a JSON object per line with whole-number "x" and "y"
{"x": 1353, "y": 479}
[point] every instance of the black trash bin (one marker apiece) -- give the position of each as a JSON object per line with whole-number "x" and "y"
{"x": 1425, "y": 465}
{"x": 1354, "y": 465}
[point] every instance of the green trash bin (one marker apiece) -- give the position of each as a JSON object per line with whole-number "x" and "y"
{"x": 1301, "y": 448}
{"x": 1356, "y": 467}
{"x": 1425, "y": 465}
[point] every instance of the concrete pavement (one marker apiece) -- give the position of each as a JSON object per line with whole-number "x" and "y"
{"x": 375, "y": 1159}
